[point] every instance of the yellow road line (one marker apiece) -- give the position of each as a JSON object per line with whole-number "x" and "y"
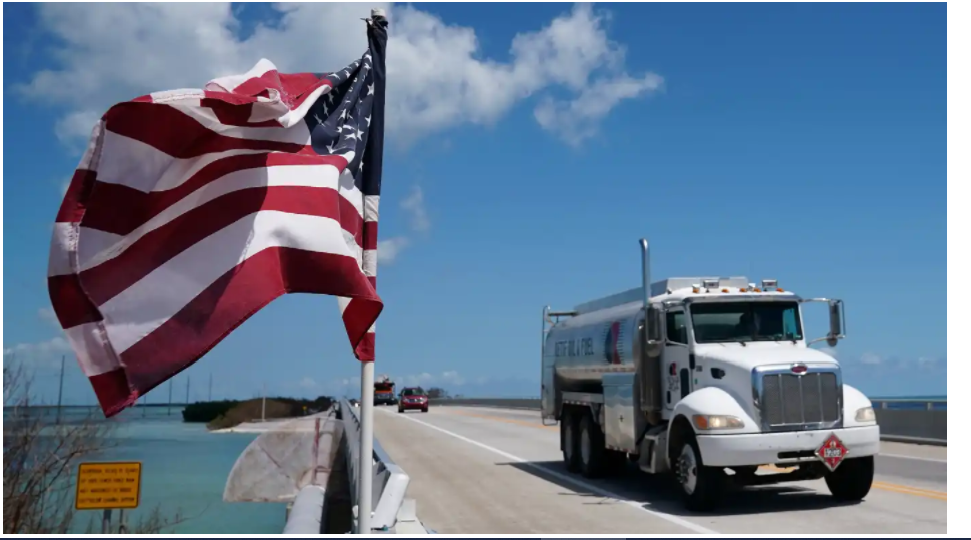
{"x": 886, "y": 486}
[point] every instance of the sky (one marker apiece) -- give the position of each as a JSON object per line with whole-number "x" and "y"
{"x": 529, "y": 147}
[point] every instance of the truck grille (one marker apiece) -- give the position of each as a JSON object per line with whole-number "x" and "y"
{"x": 809, "y": 401}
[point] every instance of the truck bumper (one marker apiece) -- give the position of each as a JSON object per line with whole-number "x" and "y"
{"x": 784, "y": 448}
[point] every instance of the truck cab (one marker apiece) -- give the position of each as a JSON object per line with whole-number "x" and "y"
{"x": 707, "y": 378}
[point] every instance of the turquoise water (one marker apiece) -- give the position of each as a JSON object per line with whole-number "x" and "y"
{"x": 184, "y": 467}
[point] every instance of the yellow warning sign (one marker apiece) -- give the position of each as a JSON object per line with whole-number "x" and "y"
{"x": 108, "y": 485}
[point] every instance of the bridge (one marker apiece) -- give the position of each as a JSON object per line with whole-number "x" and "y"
{"x": 490, "y": 466}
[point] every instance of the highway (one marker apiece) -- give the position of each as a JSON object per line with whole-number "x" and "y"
{"x": 486, "y": 470}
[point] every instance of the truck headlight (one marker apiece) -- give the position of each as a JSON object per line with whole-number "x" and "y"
{"x": 866, "y": 414}
{"x": 717, "y": 421}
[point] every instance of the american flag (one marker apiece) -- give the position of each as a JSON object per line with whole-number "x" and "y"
{"x": 193, "y": 209}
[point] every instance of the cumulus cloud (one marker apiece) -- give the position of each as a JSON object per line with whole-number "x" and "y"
{"x": 418, "y": 222}
{"x": 438, "y": 77}
{"x": 414, "y": 204}
{"x": 307, "y": 383}
{"x": 389, "y": 249}
{"x": 43, "y": 354}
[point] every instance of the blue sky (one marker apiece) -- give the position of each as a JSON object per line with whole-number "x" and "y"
{"x": 532, "y": 145}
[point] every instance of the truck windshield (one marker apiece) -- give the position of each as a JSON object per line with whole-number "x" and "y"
{"x": 721, "y": 322}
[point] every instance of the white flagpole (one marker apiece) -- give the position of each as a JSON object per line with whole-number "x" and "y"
{"x": 366, "y": 446}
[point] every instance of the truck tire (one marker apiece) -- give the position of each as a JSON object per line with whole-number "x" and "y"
{"x": 593, "y": 460}
{"x": 570, "y": 442}
{"x": 851, "y": 481}
{"x": 701, "y": 486}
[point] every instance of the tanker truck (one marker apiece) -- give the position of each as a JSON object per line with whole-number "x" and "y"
{"x": 705, "y": 380}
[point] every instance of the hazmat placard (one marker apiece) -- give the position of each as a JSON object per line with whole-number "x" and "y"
{"x": 108, "y": 485}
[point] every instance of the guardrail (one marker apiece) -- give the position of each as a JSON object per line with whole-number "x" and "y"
{"x": 390, "y": 510}
{"x": 901, "y": 420}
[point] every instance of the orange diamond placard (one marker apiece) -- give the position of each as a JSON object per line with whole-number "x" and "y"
{"x": 832, "y": 452}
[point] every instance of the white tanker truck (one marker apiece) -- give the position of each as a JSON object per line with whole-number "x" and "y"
{"x": 708, "y": 379}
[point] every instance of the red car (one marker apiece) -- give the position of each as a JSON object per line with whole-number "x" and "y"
{"x": 413, "y": 398}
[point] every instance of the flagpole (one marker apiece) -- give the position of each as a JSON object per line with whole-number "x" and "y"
{"x": 366, "y": 460}
{"x": 377, "y": 42}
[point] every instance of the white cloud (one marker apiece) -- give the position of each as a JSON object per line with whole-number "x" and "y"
{"x": 871, "y": 359}
{"x": 389, "y": 249}
{"x": 307, "y": 383}
{"x": 414, "y": 204}
{"x": 437, "y": 75}
{"x": 42, "y": 354}
{"x": 577, "y": 120}
{"x": 418, "y": 222}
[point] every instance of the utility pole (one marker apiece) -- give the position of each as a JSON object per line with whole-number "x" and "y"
{"x": 210, "y": 386}
{"x": 187, "y": 381}
{"x": 60, "y": 391}
{"x": 170, "y": 398}
{"x": 263, "y": 413}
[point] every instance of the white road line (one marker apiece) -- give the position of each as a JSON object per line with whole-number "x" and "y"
{"x": 916, "y": 458}
{"x": 575, "y": 481}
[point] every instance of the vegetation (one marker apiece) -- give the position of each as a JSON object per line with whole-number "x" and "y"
{"x": 40, "y": 462}
{"x": 229, "y": 413}
{"x": 437, "y": 393}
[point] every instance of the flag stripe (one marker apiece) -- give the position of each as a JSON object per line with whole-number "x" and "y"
{"x": 227, "y": 303}
{"x": 218, "y": 177}
{"x": 154, "y": 249}
{"x": 95, "y": 356}
{"x": 179, "y": 135}
{"x": 144, "y": 306}
{"x": 244, "y": 290}
{"x": 236, "y": 115}
{"x": 71, "y": 304}
{"x": 101, "y": 247}
{"x": 137, "y": 165}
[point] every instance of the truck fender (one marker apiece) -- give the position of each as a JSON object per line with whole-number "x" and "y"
{"x": 706, "y": 401}
{"x": 853, "y": 400}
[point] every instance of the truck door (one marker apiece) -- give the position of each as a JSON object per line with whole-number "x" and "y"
{"x": 677, "y": 372}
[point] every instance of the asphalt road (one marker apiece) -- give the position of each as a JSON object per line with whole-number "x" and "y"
{"x": 483, "y": 471}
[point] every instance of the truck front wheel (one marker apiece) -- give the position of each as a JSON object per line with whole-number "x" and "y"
{"x": 701, "y": 486}
{"x": 851, "y": 481}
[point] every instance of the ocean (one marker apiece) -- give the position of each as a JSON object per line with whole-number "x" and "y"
{"x": 184, "y": 468}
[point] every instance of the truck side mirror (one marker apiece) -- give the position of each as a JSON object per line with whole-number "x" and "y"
{"x": 835, "y": 322}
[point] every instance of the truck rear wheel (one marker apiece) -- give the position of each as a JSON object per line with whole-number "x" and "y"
{"x": 701, "y": 486}
{"x": 851, "y": 481}
{"x": 570, "y": 442}
{"x": 592, "y": 450}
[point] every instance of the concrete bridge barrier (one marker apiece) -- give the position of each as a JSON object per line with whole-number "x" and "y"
{"x": 901, "y": 420}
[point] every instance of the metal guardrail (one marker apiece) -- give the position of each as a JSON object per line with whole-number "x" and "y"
{"x": 921, "y": 421}
{"x": 389, "y": 506}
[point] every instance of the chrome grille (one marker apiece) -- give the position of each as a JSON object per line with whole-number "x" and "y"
{"x": 788, "y": 401}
